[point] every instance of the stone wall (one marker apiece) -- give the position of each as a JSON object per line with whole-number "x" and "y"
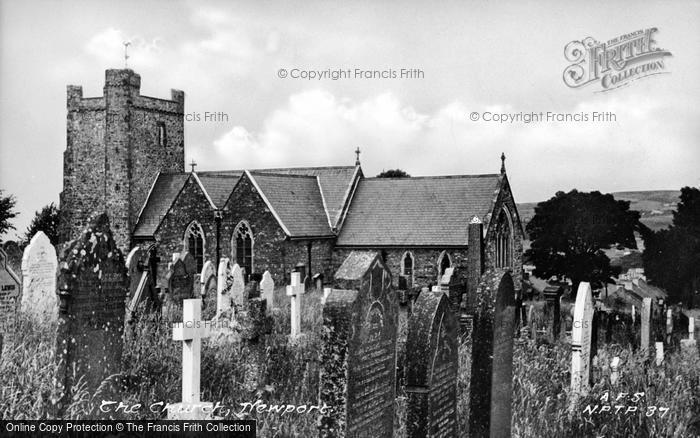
{"x": 112, "y": 155}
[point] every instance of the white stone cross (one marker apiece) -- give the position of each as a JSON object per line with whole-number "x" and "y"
{"x": 191, "y": 331}
{"x": 295, "y": 291}
{"x": 614, "y": 365}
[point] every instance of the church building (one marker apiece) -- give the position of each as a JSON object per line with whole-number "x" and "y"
{"x": 125, "y": 155}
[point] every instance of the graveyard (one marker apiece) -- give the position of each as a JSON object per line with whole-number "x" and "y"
{"x": 358, "y": 358}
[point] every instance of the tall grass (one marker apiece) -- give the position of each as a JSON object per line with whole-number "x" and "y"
{"x": 276, "y": 371}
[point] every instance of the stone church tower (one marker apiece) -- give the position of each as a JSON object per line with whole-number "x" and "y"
{"x": 116, "y": 146}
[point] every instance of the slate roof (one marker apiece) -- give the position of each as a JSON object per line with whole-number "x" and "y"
{"x": 161, "y": 197}
{"x": 418, "y": 211}
{"x": 219, "y": 185}
{"x": 296, "y": 201}
{"x": 335, "y": 182}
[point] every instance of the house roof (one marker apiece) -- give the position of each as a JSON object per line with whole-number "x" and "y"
{"x": 162, "y": 195}
{"x": 418, "y": 211}
{"x": 296, "y": 202}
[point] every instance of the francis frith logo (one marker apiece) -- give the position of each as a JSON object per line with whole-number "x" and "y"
{"x": 615, "y": 63}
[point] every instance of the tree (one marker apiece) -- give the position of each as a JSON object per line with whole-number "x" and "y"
{"x": 570, "y": 231}
{"x": 7, "y": 212}
{"x": 672, "y": 256}
{"x": 393, "y": 173}
{"x": 45, "y": 220}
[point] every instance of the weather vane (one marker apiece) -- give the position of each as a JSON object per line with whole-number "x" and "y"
{"x": 126, "y": 53}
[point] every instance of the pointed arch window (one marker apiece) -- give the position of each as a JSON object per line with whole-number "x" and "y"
{"x": 504, "y": 240}
{"x": 243, "y": 246}
{"x": 194, "y": 243}
{"x": 444, "y": 262}
{"x": 407, "y": 268}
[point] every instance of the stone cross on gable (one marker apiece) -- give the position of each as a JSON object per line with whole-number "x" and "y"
{"x": 191, "y": 331}
{"x": 295, "y": 291}
{"x": 193, "y": 164}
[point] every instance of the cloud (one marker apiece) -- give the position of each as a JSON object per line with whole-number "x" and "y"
{"x": 107, "y": 48}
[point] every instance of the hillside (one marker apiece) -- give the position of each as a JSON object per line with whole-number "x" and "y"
{"x": 656, "y": 206}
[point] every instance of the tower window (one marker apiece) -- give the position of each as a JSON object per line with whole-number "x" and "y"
{"x": 161, "y": 135}
{"x": 243, "y": 244}
{"x": 194, "y": 243}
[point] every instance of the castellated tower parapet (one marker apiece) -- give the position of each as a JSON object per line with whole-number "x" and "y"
{"x": 116, "y": 146}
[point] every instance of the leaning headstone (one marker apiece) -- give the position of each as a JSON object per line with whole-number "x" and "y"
{"x": 9, "y": 295}
{"x": 223, "y": 286}
{"x": 191, "y": 331}
{"x": 646, "y": 323}
{"x": 207, "y": 279}
{"x": 492, "y": 356}
{"x": 237, "y": 287}
{"x": 139, "y": 280}
{"x": 431, "y": 368}
{"x": 358, "y": 353}
{"x": 581, "y": 340}
{"x": 92, "y": 288}
{"x": 39, "y": 264}
{"x": 267, "y": 289}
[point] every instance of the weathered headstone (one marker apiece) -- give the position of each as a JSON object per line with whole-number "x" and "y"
{"x": 646, "y": 323}
{"x": 454, "y": 286}
{"x": 614, "y": 370}
{"x": 180, "y": 278}
{"x": 39, "y": 265}
{"x": 326, "y": 292}
{"x": 223, "y": 286}
{"x": 358, "y": 355}
{"x": 531, "y": 321}
{"x": 492, "y": 356}
{"x": 267, "y": 288}
{"x": 691, "y": 328}
{"x": 669, "y": 325}
{"x": 581, "y": 340}
{"x": 431, "y": 368}
{"x": 659, "y": 353}
{"x": 690, "y": 345}
{"x": 9, "y": 295}
{"x": 139, "y": 280}
{"x": 634, "y": 315}
{"x": 237, "y": 287}
{"x": 295, "y": 292}
{"x": 552, "y": 312}
{"x": 191, "y": 331}
{"x": 92, "y": 288}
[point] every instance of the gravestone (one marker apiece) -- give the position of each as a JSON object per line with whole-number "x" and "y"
{"x": 581, "y": 340}
{"x": 531, "y": 321}
{"x": 92, "y": 289}
{"x": 691, "y": 328}
{"x": 614, "y": 370}
{"x": 191, "y": 331}
{"x": 669, "y": 325}
{"x": 10, "y": 291}
{"x": 267, "y": 289}
{"x": 237, "y": 287}
{"x": 659, "y": 353}
{"x": 431, "y": 368}
{"x": 138, "y": 280}
{"x": 646, "y": 323}
{"x": 552, "y": 312}
{"x": 454, "y": 287}
{"x": 180, "y": 278}
{"x": 358, "y": 354}
{"x": 39, "y": 265}
{"x": 326, "y": 292}
{"x": 492, "y": 356}
{"x": 223, "y": 287}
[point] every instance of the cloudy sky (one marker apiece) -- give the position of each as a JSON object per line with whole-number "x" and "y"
{"x": 475, "y": 57}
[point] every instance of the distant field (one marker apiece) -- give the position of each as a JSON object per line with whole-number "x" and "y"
{"x": 656, "y": 206}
